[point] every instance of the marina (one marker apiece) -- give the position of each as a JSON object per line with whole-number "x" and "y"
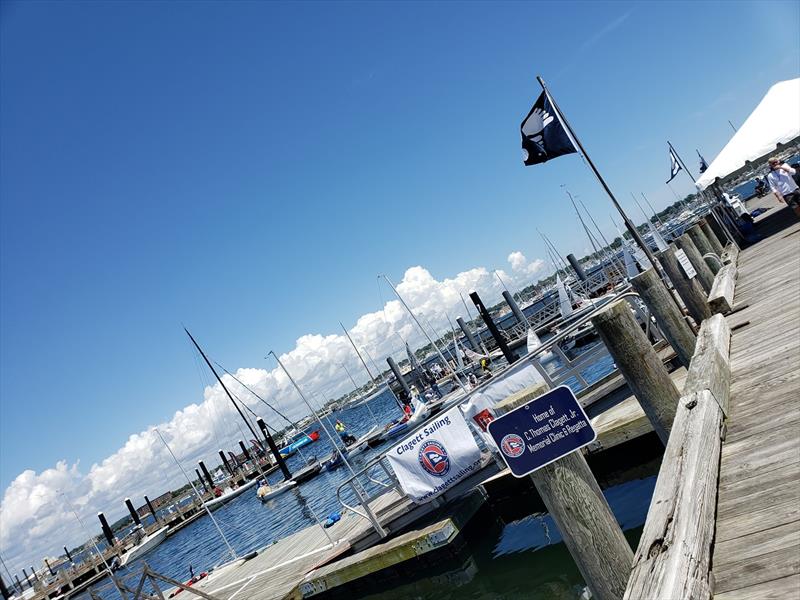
{"x": 603, "y": 416}
{"x": 380, "y": 527}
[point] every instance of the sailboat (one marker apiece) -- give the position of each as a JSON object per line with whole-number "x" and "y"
{"x": 233, "y": 492}
{"x": 143, "y": 543}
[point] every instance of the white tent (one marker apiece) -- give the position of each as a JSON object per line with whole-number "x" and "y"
{"x": 775, "y": 119}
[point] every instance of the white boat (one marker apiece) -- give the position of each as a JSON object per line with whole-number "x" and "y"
{"x": 144, "y": 545}
{"x": 264, "y": 493}
{"x": 229, "y": 494}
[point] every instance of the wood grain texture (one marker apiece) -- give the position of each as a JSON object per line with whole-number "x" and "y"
{"x": 757, "y": 541}
{"x": 720, "y": 298}
{"x": 674, "y": 554}
{"x": 704, "y": 274}
{"x": 716, "y": 245}
{"x": 656, "y": 296}
{"x": 643, "y": 370}
{"x": 689, "y": 290}
{"x": 730, "y": 255}
{"x": 710, "y": 367}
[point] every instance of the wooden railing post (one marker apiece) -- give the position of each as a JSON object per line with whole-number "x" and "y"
{"x": 704, "y": 246}
{"x": 690, "y": 290}
{"x": 656, "y": 296}
{"x": 639, "y": 364}
{"x": 704, "y": 274}
{"x": 575, "y": 501}
{"x": 715, "y": 242}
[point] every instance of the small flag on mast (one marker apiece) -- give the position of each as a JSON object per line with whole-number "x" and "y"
{"x": 703, "y": 163}
{"x": 674, "y": 165}
{"x": 543, "y": 135}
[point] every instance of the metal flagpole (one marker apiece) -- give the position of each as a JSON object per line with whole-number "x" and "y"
{"x": 439, "y": 352}
{"x": 628, "y": 224}
{"x": 701, "y": 192}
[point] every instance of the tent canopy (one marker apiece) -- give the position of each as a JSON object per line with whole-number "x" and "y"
{"x": 775, "y": 120}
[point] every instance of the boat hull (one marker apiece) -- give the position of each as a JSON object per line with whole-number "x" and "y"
{"x": 150, "y": 542}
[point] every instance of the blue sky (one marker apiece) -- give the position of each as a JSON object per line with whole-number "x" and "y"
{"x": 248, "y": 168}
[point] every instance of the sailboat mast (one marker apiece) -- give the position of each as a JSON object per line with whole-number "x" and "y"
{"x": 219, "y": 379}
{"x": 371, "y": 378}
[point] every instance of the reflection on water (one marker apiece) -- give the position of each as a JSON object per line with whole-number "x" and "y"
{"x": 523, "y": 559}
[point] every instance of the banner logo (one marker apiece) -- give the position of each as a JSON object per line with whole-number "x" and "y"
{"x": 434, "y": 459}
{"x": 512, "y": 445}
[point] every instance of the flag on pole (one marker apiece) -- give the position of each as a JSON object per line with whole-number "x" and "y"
{"x": 674, "y": 165}
{"x": 543, "y": 135}
{"x": 703, "y": 163}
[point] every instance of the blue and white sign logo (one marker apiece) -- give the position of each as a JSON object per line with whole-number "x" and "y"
{"x": 433, "y": 458}
{"x": 512, "y": 445}
{"x": 541, "y": 431}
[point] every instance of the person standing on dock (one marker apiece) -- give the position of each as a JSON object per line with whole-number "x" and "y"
{"x": 782, "y": 184}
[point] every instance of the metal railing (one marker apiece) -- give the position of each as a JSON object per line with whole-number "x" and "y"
{"x": 570, "y": 368}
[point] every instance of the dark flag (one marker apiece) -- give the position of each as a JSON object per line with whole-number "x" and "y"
{"x": 543, "y": 135}
{"x": 703, "y": 163}
{"x": 674, "y": 165}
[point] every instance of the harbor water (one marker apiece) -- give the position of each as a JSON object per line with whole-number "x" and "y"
{"x": 505, "y": 552}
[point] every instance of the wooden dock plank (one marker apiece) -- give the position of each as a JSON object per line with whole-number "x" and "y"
{"x": 757, "y": 543}
{"x": 776, "y": 589}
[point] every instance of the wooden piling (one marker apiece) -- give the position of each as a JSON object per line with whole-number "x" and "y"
{"x": 639, "y": 364}
{"x": 704, "y": 274}
{"x": 690, "y": 290}
{"x": 574, "y": 500}
{"x": 711, "y": 235}
{"x": 704, "y": 247}
{"x": 656, "y": 296}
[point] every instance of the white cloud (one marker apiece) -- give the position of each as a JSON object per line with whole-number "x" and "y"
{"x": 36, "y": 521}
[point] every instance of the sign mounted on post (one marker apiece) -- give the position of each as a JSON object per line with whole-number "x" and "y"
{"x": 436, "y": 457}
{"x": 542, "y": 431}
{"x": 686, "y": 264}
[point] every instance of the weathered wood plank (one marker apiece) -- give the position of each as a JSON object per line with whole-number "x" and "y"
{"x": 720, "y": 298}
{"x": 775, "y": 589}
{"x": 709, "y": 369}
{"x": 758, "y": 514}
{"x": 730, "y": 255}
{"x": 774, "y": 565}
{"x": 772, "y": 487}
{"x": 674, "y": 552}
{"x": 759, "y": 543}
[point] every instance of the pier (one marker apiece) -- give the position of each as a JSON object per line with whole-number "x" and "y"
{"x": 724, "y": 399}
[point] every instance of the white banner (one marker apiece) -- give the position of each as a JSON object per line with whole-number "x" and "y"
{"x": 479, "y": 410}
{"x": 436, "y": 457}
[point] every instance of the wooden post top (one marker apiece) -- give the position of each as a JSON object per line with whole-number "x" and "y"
{"x": 521, "y": 397}
{"x": 612, "y": 311}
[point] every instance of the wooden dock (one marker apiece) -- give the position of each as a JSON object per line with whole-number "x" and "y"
{"x": 756, "y": 551}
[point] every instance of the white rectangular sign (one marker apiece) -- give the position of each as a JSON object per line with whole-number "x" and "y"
{"x": 686, "y": 264}
{"x": 436, "y": 457}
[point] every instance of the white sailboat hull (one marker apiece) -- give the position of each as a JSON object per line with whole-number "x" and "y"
{"x": 147, "y": 544}
{"x": 217, "y": 502}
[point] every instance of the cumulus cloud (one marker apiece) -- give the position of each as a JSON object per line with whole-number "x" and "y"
{"x": 524, "y": 268}
{"x": 35, "y": 516}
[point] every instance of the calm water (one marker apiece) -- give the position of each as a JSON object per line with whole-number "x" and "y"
{"x": 500, "y": 558}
